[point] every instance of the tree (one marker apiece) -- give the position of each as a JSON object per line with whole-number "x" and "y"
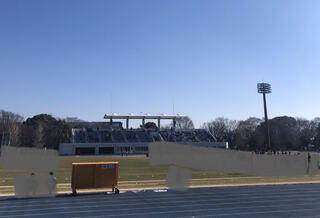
{"x": 184, "y": 123}
{"x": 39, "y": 139}
{"x": 244, "y": 133}
{"x": 166, "y": 127}
{"x": 316, "y": 140}
{"x": 10, "y": 127}
{"x": 222, "y": 129}
{"x": 306, "y": 132}
{"x": 258, "y": 142}
{"x": 48, "y": 131}
{"x": 149, "y": 125}
{"x": 283, "y": 134}
{"x": 27, "y": 136}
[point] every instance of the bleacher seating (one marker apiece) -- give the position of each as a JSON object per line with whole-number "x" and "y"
{"x": 204, "y": 136}
{"x": 105, "y": 136}
{"x": 79, "y": 136}
{"x": 131, "y": 136}
{"x": 92, "y": 136}
{"x": 165, "y": 135}
{"x": 144, "y": 136}
{"x": 117, "y": 136}
{"x": 88, "y": 135}
{"x": 156, "y": 138}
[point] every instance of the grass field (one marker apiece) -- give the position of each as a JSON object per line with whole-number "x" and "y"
{"x": 136, "y": 172}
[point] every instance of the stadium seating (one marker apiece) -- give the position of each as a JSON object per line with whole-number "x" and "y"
{"x": 131, "y": 136}
{"x": 92, "y": 135}
{"x": 105, "y": 136}
{"x": 89, "y": 135}
{"x": 118, "y": 136}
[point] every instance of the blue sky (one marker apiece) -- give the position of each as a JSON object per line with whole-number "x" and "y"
{"x": 67, "y": 58}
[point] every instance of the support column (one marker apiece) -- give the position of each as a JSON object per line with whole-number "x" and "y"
{"x": 96, "y": 152}
{"x": 159, "y": 123}
{"x": 266, "y": 122}
{"x": 143, "y": 122}
{"x": 127, "y": 123}
{"x": 174, "y": 123}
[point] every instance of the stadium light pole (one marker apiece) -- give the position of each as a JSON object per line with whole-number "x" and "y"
{"x": 265, "y": 88}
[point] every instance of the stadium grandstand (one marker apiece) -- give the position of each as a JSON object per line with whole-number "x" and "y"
{"x": 100, "y": 138}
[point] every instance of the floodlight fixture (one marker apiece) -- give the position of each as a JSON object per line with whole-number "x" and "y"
{"x": 265, "y": 88}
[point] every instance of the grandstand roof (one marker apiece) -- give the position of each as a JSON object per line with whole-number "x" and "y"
{"x": 143, "y": 116}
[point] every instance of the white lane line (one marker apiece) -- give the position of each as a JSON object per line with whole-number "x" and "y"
{"x": 102, "y": 204}
{"x": 304, "y": 216}
{"x": 264, "y": 212}
{"x": 248, "y": 189}
{"x": 154, "y": 207}
{"x": 240, "y": 189}
{"x": 157, "y": 196}
{"x": 200, "y": 210}
{"x": 134, "y": 198}
{"x": 138, "y": 198}
{"x": 235, "y": 214}
{"x": 174, "y": 200}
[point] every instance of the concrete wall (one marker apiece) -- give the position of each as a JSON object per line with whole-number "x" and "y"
{"x": 70, "y": 148}
{"x": 125, "y": 148}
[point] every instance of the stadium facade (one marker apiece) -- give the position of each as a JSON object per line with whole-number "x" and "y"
{"x": 101, "y": 138}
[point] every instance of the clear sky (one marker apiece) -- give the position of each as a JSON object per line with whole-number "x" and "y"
{"x": 67, "y": 58}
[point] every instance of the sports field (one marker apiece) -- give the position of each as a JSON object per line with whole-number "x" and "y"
{"x": 135, "y": 172}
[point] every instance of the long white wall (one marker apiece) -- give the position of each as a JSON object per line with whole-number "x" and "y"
{"x": 130, "y": 148}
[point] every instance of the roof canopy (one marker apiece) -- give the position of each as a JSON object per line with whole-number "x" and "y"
{"x": 143, "y": 116}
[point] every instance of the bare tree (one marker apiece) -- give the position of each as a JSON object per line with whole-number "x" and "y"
{"x": 166, "y": 127}
{"x": 184, "y": 123}
{"x": 15, "y": 133}
{"x": 222, "y": 128}
{"x": 39, "y": 136}
{"x": 10, "y": 125}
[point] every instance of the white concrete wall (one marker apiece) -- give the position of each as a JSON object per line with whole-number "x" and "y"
{"x": 70, "y": 148}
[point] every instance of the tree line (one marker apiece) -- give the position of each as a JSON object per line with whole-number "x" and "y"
{"x": 41, "y": 131}
{"x": 286, "y": 133}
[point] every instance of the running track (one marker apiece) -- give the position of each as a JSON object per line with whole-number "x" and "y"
{"x": 299, "y": 200}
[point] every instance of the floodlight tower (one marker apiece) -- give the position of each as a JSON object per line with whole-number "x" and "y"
{"x": 265, "y": 88}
